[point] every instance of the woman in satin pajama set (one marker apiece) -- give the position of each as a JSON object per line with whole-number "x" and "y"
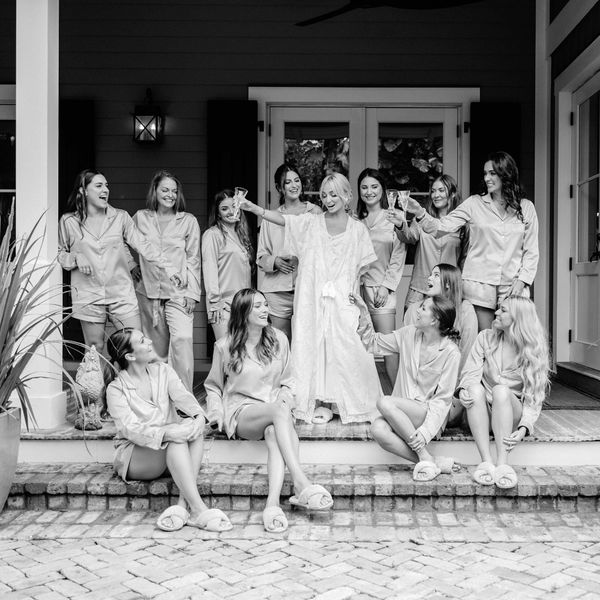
{"x": 167, "y": 311}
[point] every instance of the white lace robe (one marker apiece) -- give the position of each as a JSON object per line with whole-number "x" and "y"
{"x": 329, "y": 361}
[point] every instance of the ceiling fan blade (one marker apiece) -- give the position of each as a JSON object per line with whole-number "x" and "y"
{"x": 334, "y": 13}
{"x": 406, "y": 4}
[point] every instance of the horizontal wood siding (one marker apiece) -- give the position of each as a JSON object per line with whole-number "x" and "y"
{"x": 190, "y": 51}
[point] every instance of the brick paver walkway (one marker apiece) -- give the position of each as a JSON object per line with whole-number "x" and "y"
{"x": 52, "y": 555}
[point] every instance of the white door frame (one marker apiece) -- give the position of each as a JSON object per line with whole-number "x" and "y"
{"x": 355, "y": 96}
{"x": 565, "y": 85}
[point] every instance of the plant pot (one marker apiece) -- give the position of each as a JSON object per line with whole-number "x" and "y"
{"x": 10, "y": 436}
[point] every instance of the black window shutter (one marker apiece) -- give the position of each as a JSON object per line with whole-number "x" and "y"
{"x": 232, "y": 155}
{"x": 76, "y": 152}
{"x": 494, "y": 126}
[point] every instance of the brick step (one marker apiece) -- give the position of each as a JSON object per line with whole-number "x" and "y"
{"x": 80, "y": 486}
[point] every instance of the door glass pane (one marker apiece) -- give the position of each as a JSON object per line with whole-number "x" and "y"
{"x": 317, "y": 150}
{"x": 589, "y": 133}
{"x": 7, "y": 170}
{"x": 411, "y": 155}
{"x": 588, "y": 220}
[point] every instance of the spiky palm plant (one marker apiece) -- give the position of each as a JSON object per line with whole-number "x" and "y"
{"x": 24, "y": 328}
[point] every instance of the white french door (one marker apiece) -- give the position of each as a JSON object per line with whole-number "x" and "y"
{"x": 585, "y": 253}
{"x": 410, "y": 145}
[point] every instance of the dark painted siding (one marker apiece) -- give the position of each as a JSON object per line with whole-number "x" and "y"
{"x": 7, "y": 42}
{"x": 190, "y": 51}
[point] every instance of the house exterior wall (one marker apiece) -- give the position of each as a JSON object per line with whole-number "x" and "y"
{"x": 190, "y": 51}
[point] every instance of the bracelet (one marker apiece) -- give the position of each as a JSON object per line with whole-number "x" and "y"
{"x": 263, "y": 211}
{"x": 419, "y": 219}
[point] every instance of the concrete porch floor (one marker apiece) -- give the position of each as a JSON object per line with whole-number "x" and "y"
{"x": 567, "y": 433}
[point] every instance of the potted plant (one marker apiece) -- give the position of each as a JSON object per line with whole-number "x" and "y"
{"x": 24, "y": 330}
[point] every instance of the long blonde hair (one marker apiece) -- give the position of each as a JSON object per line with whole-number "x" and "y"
{"x": 528, "y": 336}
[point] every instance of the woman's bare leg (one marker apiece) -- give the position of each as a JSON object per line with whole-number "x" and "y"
{"x": 485, "y": 316}
{"x": 284, "y": 325}
{"x": 506, "y": 413}
{"x": 386, "y": 323}
{"x": 93, "y": 334}
{"x": 253, "y": 421}
{"x": 385, "y": 436}
{"x": 479, "y": 422}
{"x": 184, "y": 471}
{"x": 275, "y": 467}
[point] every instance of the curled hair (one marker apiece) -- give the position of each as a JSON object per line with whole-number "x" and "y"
{"x": 237, "y": 328}
{"x": 445, "y": 313}
{"x": 77, "y": 198}
{"x": 528, "y": 336}
{"x": 280, "y": 174}
{"x": 451, "y": 284}
{"x": 361, "y": 207}
{"x": 118, "y": 345}
{"x": 506, "y": 168}
{"x": 151, "y": 196}
{"x": 341, "y": 186}
{"x": 454, "y": 197}
{"x": 241, "y": 227}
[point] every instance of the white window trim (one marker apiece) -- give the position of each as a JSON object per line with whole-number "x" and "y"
{"x": 353, "y": 96}
{"x": 571, "y": 79}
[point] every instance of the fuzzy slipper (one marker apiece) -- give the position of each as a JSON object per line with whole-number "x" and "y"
{"x": 274, "y": 520}
{"x": 212, "y": 519}
{"x": 311, "y": 498}
{"x": 505, "y": 477}
{"x": 322, "y": 415}
{"x": 173, "y": 518}
{"x": 484, "y": 474}
{"x": 446, "y": 464}
{"x": 425, "y": 470}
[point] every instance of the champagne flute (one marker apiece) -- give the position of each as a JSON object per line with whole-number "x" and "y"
{"x": 403, "y": 196}
{"x": 392, "y": 196}
{"x": 239, "y": 194}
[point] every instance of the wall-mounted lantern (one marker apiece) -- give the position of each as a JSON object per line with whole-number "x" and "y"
{"x": 148, "y": 121}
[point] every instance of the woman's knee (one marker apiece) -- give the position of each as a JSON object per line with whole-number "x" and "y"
{"x": 281, "y": 413}
{"x": 385, "y": 404}
{"x": 270, "y": 434}
{"x": 379, "y": 428}
{"x": 502, "y": 394}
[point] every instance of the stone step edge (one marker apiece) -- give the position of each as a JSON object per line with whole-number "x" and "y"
{"x": 361, "y": 481}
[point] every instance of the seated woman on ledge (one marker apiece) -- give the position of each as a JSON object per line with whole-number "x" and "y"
{"x": 503, "y": 384}
{"x": 428, "y": 369}
{"x": 250, "y": 391}
{"x": 151, "y": 437}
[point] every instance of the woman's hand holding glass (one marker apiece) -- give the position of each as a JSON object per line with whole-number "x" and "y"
{"x": 413, "y": 206}
{"x": 396, "y": 217}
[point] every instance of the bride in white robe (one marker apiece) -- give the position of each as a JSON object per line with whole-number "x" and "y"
{"x": 329, "y": 361}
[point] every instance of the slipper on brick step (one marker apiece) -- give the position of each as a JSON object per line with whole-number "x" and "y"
{"x": 446, "y": 464}
{"x": 484, "y": 473}
{"x": 425, "y": 470}
{"x": 505, "y": 477}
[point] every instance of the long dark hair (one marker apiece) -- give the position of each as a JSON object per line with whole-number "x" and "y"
{"x": 76, "y": 201}
{"x": 279, "y": 178}
{"x": 361, "y": 207}
{"x": 237, "y": 329}
{"x": 444, "y": 311}
{"x": 151, "y": 197}
{"x": 241, "y": 227}
{"x": 512, "y": 190}
{"x": 454, "y": 198}
{"x": 118, "y": 345}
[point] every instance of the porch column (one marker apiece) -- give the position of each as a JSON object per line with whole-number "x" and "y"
{"x": 37, "y": 174}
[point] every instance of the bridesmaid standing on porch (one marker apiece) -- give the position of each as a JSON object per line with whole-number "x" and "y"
{"x": 380, "y": 282}
{"x": 227, "y": 257}
{"x": 330, "y": 365}
{"x": 279, "y": 268}
{"x": 92, "y": 245}
{"x": 503, "y": 253}
{"x": 168, "y": 311}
